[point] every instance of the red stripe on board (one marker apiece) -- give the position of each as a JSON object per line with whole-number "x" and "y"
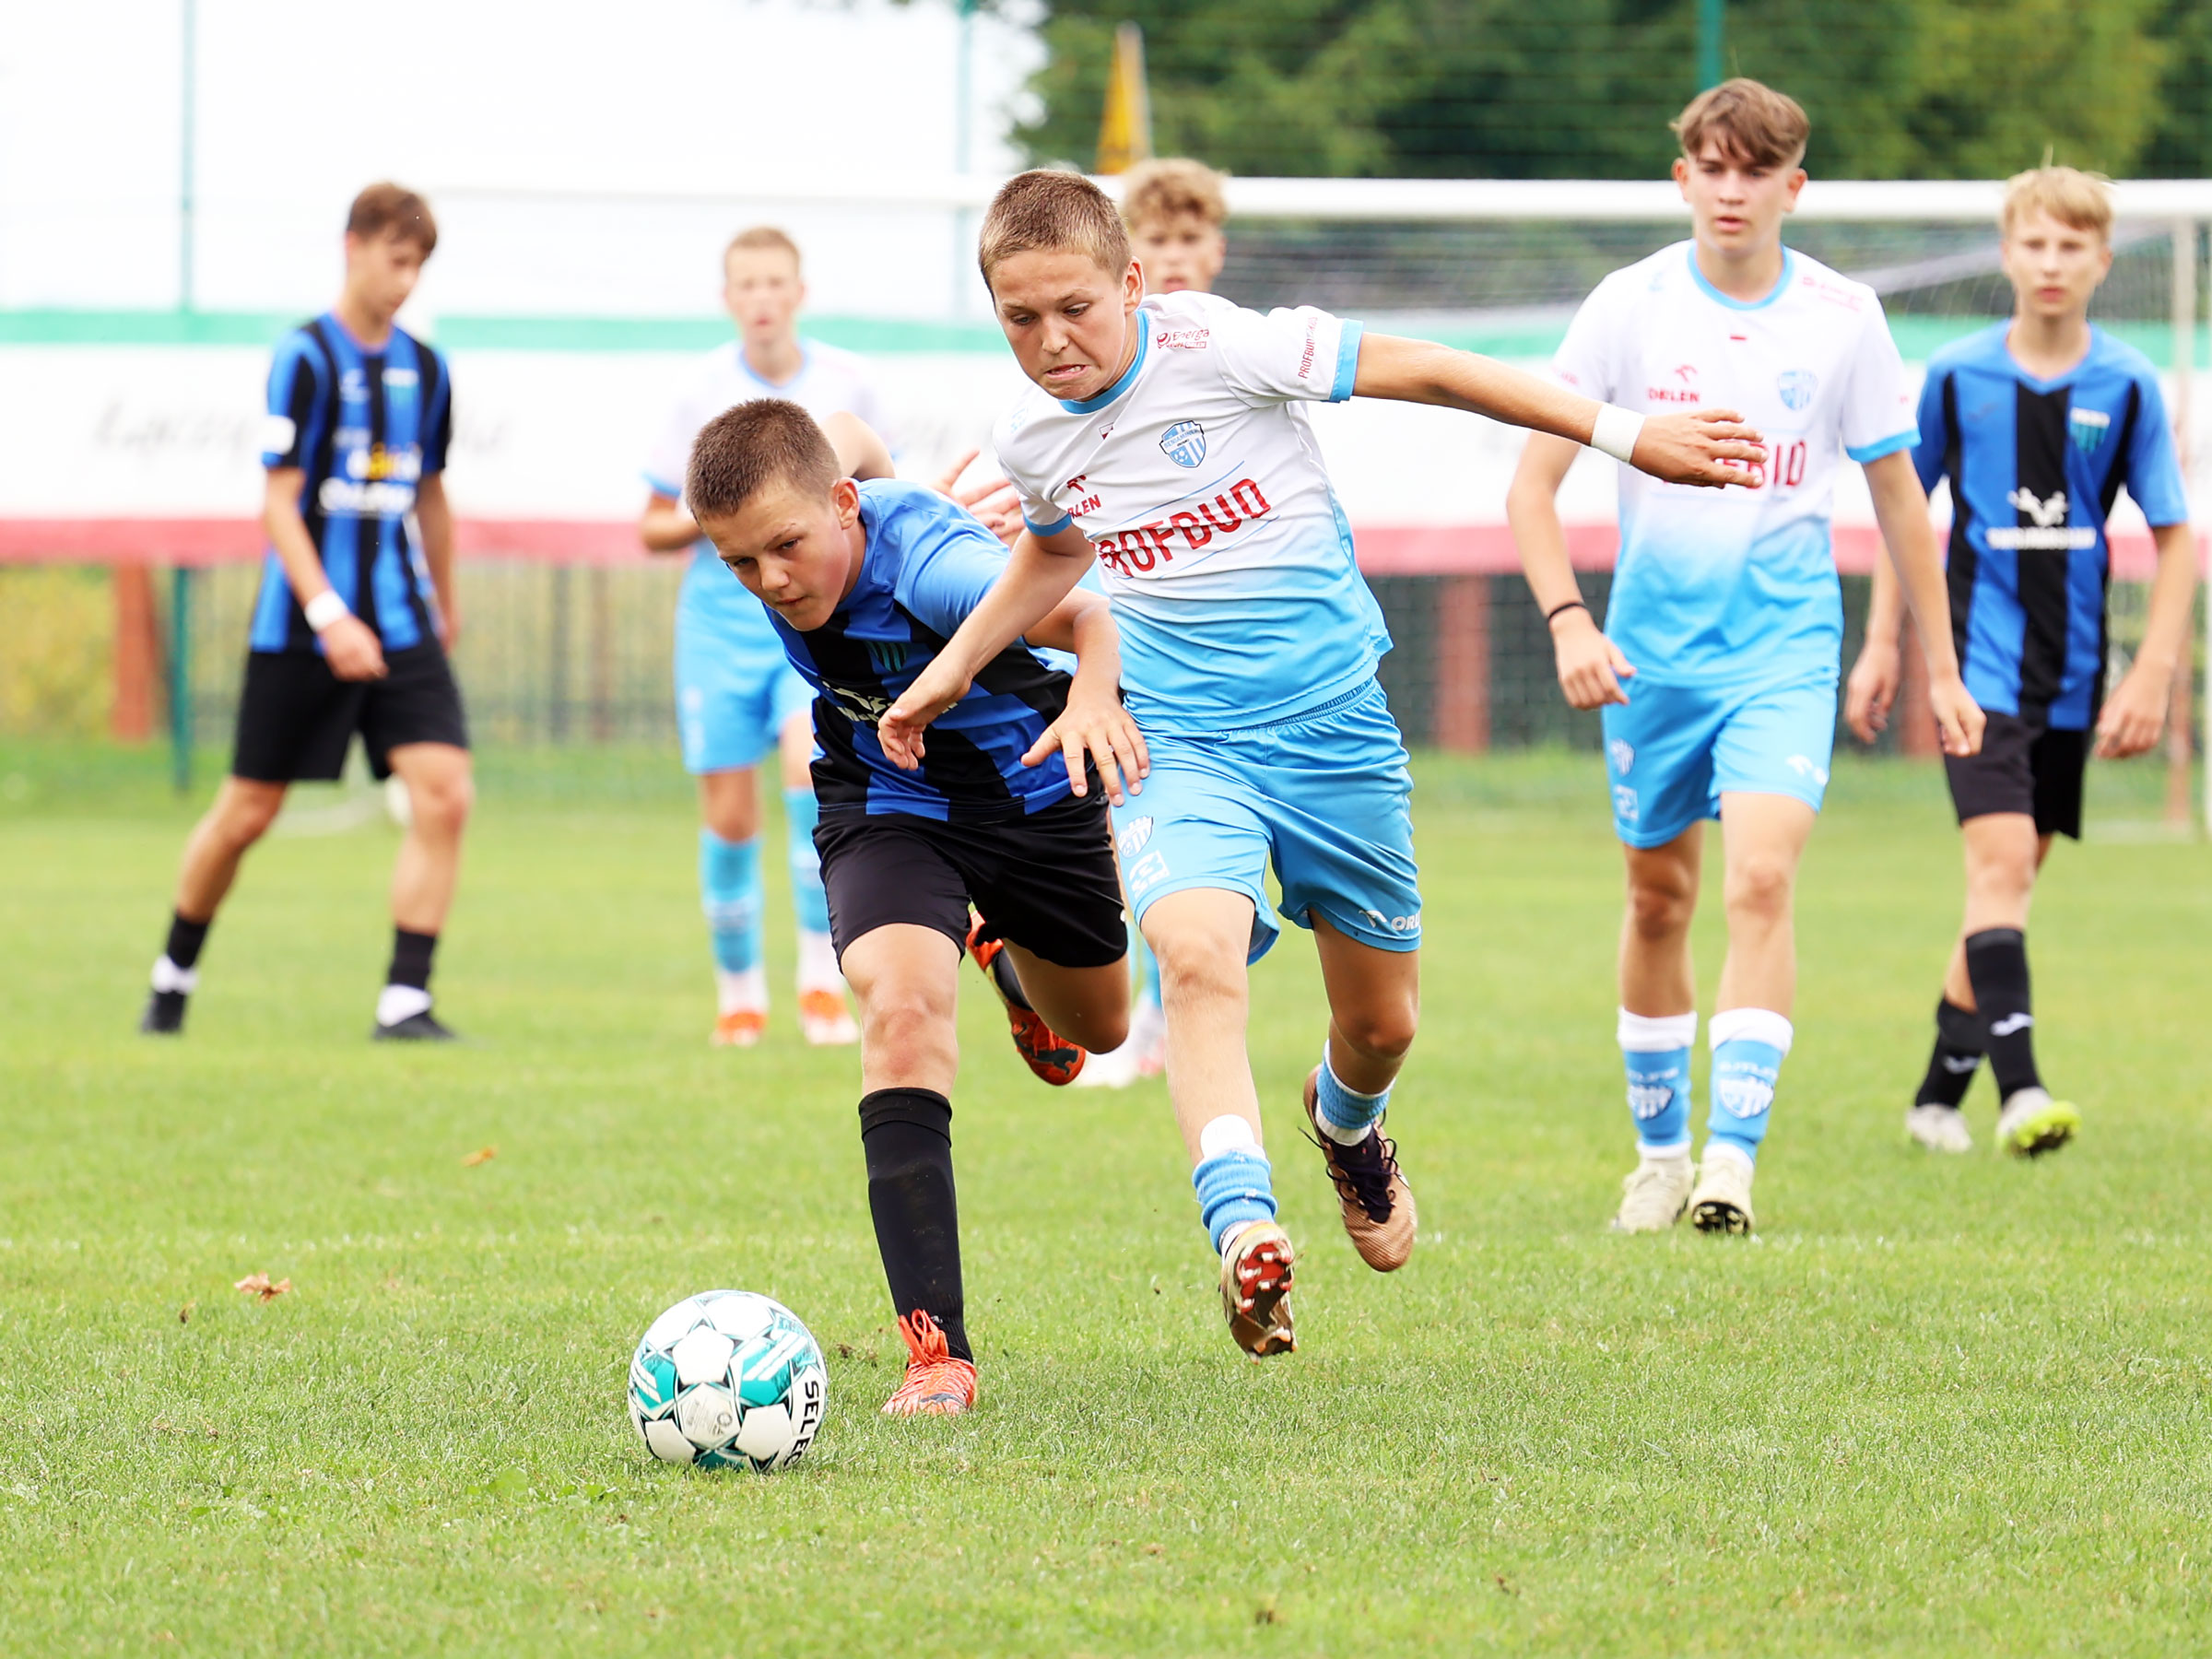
{"x": 1384, "y": 549}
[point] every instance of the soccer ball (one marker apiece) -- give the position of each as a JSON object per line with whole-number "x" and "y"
{"x": 728, "y": 1379}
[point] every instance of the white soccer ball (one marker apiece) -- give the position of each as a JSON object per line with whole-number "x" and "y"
{"x": 728, "y": 1379}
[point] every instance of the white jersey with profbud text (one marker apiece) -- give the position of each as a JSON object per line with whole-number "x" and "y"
{"x": 1198, "y": 481}
{"x": 1737, "y": 587}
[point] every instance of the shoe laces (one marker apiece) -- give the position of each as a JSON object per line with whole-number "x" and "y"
{"x": 931, "y": 1370}
{"x": 1364, "y": 1172}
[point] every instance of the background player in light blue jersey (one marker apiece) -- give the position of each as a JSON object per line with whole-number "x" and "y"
{"x": 737, "y": 698}
{"x": 1163, "y": 437}
{"x": 2038, "y": 423}
{"x": 1717, "y": 669}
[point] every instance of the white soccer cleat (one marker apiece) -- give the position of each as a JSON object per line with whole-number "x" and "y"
{"x": 1116, "y": 1068}
{"x": 1654, "y": 1195}
{"x": 1939, "y": 1128}
{"x": 1723, "y": 1200}
{"x": 1147, "y": 1041}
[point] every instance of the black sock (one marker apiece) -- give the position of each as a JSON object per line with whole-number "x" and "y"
{"x": 1956, "y": 1058}
{"x": 411, "y": 958}
{"x": 1007, "y": 981}
{"x": 1997, "y": 965}
{"x": 185, "y": 938}
{"x": 906, "y": 1135}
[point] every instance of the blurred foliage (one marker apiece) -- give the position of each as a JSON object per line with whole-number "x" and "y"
{"x": 57, "y": 636}
{"x": 1583, "y": 88}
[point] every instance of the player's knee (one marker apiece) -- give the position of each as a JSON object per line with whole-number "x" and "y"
{"x": 1659, "y": 911}
{"x": 1196, "y": 969}
{"x": 442, "y": 803}
{"x": 1385, "y": 1031}
{"x": 905, "y": 1027}
{"x": 245, "y": 811}
{"x": 1761, "y": 886}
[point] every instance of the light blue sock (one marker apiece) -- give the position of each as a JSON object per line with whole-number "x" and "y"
{"x": 1148, "y": 973}
{"x": 810, "y": 902}
{"x": 731, "y": 894}
{"x": 1655, "y": 1049}
{"x": 1232, "y": 1179}
{"x": 1748, "y": 1049}
{"x": 1345, "y": 1116}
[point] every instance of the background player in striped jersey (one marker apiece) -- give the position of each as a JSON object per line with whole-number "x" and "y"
{"x": 1163, "y": 437}
{"x": 1726, "y": 613}
{"x": 2038, "y": 423}
{"x": 1176, "y": 210}
{"x": 355, "y": 615}
{"x": 865, "y": 582}
{"x": 737, "y": 699}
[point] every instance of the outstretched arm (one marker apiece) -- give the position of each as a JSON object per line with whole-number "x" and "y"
{"x": 1900, "y": 507}
{"x": 1094, "y": 723}
{"x": 2136, "y": 712}
{"x": 1711, "y": 447}
{"x": 1040, "y": 573}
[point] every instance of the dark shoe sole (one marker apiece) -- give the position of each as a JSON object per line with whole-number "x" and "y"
{"x": 1717, "y": 1215}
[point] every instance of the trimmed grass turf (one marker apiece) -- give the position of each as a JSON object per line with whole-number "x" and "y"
{"x": 1936, "y": 1407}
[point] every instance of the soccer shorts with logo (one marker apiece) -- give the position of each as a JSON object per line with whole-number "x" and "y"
{"x": 1672, "y": 751}
{"x": 1326, "y": 797}
{"x": 732, "y": 696}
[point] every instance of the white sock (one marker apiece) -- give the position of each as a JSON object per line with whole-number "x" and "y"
{"x": 1226, "y": 1134}
{"x": 168, "y": 976}
{"x": 745, "y": 989}
{"x": 818, "y": 963}
{"x": 395, "y": 1003}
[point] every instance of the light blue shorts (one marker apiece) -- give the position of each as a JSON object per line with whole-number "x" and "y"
{"x": 1672, "y": 751}
{"x": 1326, "y": 797}
{"x": 733, "y": 698}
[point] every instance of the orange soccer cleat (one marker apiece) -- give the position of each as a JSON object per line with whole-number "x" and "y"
{"x": 740, "y": 1028}
{"x": 1050, "y": 1055}
{"x": 936, "y": 1384}
{"x": 824, "y": 1021}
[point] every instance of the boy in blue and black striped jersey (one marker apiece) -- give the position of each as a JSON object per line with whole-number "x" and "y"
{"x": 2038, "y": 423}
{"x": 355, "y": 614}
{"x": 865, "y": 582}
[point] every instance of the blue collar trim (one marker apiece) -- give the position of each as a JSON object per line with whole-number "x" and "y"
{"x": 1093, "y": 404}
{"x": 1789, "y": 270}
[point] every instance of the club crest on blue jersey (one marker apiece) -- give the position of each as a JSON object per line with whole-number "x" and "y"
{"x": 1797, "y": 386}
{"x": 1183, "y": 443}
{"x": 2088, "y": 428}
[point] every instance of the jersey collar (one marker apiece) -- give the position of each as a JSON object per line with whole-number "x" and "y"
{"x": 1789, "y": 269}
{"x": 1093, "y": 404}
{"x": 775, "y": 389}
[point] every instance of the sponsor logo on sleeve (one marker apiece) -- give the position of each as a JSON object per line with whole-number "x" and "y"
{"x": 1183, "y": 443}
{"x": 1184, "y": 339}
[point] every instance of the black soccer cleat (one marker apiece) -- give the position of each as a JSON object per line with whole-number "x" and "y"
{"x": 415, "y": 1028}
{"x": 164, "y": 1015}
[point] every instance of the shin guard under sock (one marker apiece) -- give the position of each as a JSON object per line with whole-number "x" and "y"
{"x": 1748, "y": 1047}
{"x": 809, "y": 900}
{"x": 1997, "y": 966}
{"x": 1655, "y": 1048}
{"x": 1956, "y": 1057}
{"x": 906, "y": 1135}
{"x": 730, "y": 893}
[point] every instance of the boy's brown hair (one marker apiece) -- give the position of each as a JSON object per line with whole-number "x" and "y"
{"x": 743, "y": 450}
{"x": 2083, "y": 200}
{"x": 1749, "y": 119}
{"x": 388, "y": 209}
{"x": 764, "y": 236}
{"x": 1173, "y": 187}
{"x": 1055, "y": 212}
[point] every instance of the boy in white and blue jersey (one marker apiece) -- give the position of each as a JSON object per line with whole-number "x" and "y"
{"x": 1164, "y": 439}
{"x": 866, "y": 578}
{"x": 737, "y": 700}
{"x": 1716, "y": 671}
{"x": 2038, "y": 423}
{"x": 355, "y": 615}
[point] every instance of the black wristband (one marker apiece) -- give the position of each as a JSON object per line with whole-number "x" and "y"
{"x": 1560, "y": 610}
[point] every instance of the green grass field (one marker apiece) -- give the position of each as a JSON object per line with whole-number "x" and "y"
{"x": 1955, "y": 1406}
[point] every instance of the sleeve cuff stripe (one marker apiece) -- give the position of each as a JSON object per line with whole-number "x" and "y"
{"x": 1883, "y": 446}
{"x": 1347, "y": 362}
{"x": 672, "y": 491}
{"x": 1058, "y": 524}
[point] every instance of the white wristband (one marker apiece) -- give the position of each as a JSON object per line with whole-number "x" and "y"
{"x": 324, "y": 608}
{"x": 1614, "y": 431}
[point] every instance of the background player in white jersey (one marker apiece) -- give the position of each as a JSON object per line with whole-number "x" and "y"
{"x": 1727, "y": 621}
{"x": 1163, "y": 436}
{"x": 738, "y": 697}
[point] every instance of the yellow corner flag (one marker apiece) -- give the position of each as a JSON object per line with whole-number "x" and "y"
{"x": 1125, "y": 130}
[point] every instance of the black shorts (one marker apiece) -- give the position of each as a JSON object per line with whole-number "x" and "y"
{"x": 1045, "y": 882}
{"x": 296, "y": 718}
{"x": 2023, "y": 767}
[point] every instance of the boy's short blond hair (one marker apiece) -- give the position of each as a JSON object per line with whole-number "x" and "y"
{"x": 1170, "y": 188}
{"x": 1749, "y": 119}
{"x": 1044, "y": 211}
{"x": 2083, "y": 200}
{"x": 762, "y": 236}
